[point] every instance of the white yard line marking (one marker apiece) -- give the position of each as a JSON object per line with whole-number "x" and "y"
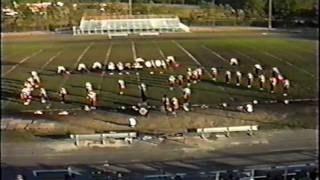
{"x": 134, "y": 53}
{"x": 292, "y": 100}
{"x": 246, "y": 56}
{"x": 215, "y": 53}
{"x": 82, "y": 54}
{"x": 53, "y": 110}
{"x": 49, "y": 61}
{"x": 22, "y": 61}
{"x": 105, "y": 63}
{"x": 288, "y": 63}
{"x": 75, "y": 64}
{"x": 193, "y": 58}
{"x": 162, "y": 54}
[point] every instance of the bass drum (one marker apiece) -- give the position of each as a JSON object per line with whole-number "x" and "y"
{"x": 158, "y": 63}
{"x": 148, "y": 64}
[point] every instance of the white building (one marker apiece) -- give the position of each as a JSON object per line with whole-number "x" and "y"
{"x": 130, "y": 24}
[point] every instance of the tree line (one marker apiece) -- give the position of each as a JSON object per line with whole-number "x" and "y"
{"x": 202, "y": 12}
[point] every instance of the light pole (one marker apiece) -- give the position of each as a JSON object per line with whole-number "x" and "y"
{"x": 270, "y": 15}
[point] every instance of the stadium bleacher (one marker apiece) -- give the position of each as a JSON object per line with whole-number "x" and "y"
{"x": 129, "y": 24}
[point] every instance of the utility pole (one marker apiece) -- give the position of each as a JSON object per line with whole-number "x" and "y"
{"x": 270, "y": 15}
{"x": 130, "y": 7}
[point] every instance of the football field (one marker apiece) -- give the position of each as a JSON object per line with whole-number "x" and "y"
{"x": 296, "y": 59}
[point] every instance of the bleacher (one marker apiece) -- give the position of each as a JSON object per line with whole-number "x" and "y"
{"x": 129, "y": 24}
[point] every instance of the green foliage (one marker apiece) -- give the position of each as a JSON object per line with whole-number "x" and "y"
{"x": 254, "y": 8}
{"x": 225, "y": 12}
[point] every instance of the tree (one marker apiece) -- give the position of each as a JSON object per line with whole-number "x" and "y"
{"x": 254, "y": 8}
{"x": 283, "y": 9}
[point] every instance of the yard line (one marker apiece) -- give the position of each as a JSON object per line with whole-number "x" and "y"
{"x": 293, "y": 100}
{"x": 161, "y": 53}
{"x": 75, "y": 64}
{"x": 22, "y": 61}
{"x": 49, "y": 61}
{"x": 105, "y": 63}
{"x": 248, "y": 57}
{"x": 192, "y": 57}
{"x": 215, "y": 53}
{"x": 134, "y": 53}
{"x": 53, "y": 110}
{"x": 82, "y": 54}
{"x": 288, "y": 63}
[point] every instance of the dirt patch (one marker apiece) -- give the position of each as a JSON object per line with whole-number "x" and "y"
{"x": 14, "y": 36}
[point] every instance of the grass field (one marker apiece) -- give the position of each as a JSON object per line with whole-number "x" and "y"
{"x": 296, "y": 59}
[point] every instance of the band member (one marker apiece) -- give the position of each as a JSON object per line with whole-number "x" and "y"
{"x": 248, "y": 108}
{"x": 200, "y": 73}
{"x": 128, "y": 66}
{"x": 122, "y": 86}
{"x": 92, "y": 97}
{"x": 153, "y": 62}
{"x": 214, "y": 73}
{"x": 186, "y": 94}
{"x": 189, "y": 76}
{"x": 195, "y": 76}
{"x": 234, "y": 62}
{"x": 43, "y": 95}
{"x": 143, "y": 91}
{"x": 275, "y": 71}
{"x": 273, "y": 83}
{"x": 62, "y": 70}
{"x": 120, "y": 67}
{"x": 164, "y": 102}
{"x": 250, "y": 80}
{"x": 174, "y": 105}
{"x": 34, "y": 73}
{"x": 180, "y": 80}
{"x": 158, "y": 63}
{"x": 257, "y": 69}
{"x": 262, "y": 80}
{"x": 167, "y": 104}
{"x": 31, "y": 81}
{"x": 137, "y": 65}
{"x": 28, "y": 85}
{"x": 82, "y": 68}
{"x": 36, "y": 79}
{"x": 97, "y": 66}
{"x": 111, "y": 67}
{"x": 286, "y": 86}
{"x": 163, "y": 64}
{"x": 228, "y": 77}
{"x": 238, "y": 78}
{"x": 89, "y": 87}
{"x": 172, "y": 81}
{"x": 171, "y": 61}
{"x": 280, "y": 78}
{"x": 185, "y": 107}
{"x": 63, "y": 93}
{"x": 25, "y": 95}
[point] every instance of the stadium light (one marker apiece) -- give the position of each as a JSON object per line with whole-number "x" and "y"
{"x": 270, "y": 15}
